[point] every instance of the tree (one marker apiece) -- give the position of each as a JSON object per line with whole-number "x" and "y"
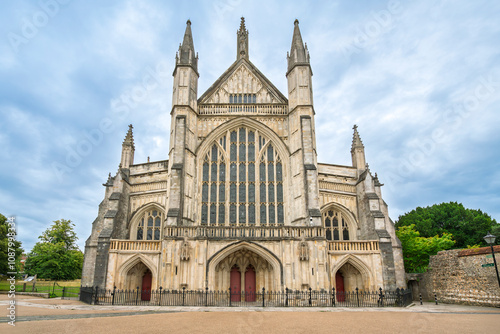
{"x": 9, "y": 247}
{"x": 467, "y": 226}
{"x": 417, "y": 250}
{"x": 56, "y": 256}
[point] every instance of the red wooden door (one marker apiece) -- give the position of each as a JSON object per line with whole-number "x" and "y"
{"x": 339, "y": 282}
{"x": 146, "y": 286}
{"x": 250, "y": 284}
{"x": 235, "y": 284}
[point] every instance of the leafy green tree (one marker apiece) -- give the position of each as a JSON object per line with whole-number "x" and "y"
{"x": 467, "y": 226}
{"x": 417, "y": 250}
{"x": 8, "y": 244}
{"x": 56, "y": 256}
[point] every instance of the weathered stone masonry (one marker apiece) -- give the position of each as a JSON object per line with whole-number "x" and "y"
{"x": 242, "y": 200}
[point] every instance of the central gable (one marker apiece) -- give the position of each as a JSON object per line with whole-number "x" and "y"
{"x": 242, "y": 80}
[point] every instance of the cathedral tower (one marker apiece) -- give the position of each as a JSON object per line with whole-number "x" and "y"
{"x": 301, "y": 118}
{"x": 183, "y": 133}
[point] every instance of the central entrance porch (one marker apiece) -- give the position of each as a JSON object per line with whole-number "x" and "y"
{"x": 245, "y": 269}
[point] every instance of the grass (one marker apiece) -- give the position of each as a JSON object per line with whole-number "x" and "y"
{"x": 54, "y": 288}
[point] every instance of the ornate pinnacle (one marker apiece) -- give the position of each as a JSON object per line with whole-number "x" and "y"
{"x": 129, "y": 138}
{"x": 242, "y": 24}
{"x": 356, "y": 140}
{"x": 242, "y": 41}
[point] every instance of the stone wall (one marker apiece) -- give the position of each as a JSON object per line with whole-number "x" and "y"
{"x": 457, "y": 276}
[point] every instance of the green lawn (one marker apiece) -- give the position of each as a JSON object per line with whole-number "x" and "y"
{"x": 71, "y": 288}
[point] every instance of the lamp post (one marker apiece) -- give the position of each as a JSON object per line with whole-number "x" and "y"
{"x": 490, "y": 240}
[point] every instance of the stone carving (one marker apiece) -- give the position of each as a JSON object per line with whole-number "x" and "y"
{"x": 185, "y": 251}
{"x": 303, "y": 251}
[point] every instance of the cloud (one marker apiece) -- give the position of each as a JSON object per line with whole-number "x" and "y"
{"x": 409, "y": 79}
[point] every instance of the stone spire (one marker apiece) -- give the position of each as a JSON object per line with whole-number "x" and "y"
{"x": 242, "y": 41}
{"x": 356, "y": 140}
{"x": 129, "y": 138}
{"x": 186, "y": 54}
{"x": 128, "y": 149}
{"x": 358, "y": 151}
{"x": 298, "y": 52}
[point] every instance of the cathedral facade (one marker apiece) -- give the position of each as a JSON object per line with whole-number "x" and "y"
{"x": 242, "y": 201}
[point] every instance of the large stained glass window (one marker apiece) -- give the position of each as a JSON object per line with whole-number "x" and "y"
{"x": 253, "y": 192}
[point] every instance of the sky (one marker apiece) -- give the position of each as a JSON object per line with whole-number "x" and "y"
{"x": 420, "y": 79}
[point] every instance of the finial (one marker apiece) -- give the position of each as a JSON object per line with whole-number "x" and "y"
{"x": 296, "y": 22}
{"x": 242, "y": 41}
{"x": 188, "y": 22}
{"x": 367, "y": 166}
{"x": 356, "y": 140}
{"x": 129, "y": 138}
{"x": 148, "y": 159}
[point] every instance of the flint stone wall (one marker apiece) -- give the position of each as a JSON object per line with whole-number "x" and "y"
{"x": 457, "y": 276}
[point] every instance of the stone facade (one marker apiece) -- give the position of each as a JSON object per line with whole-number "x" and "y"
{"x": 242, "y": 200}
{"x": 458, "y": 276}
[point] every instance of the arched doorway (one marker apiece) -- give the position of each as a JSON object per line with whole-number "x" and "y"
{"x": 348, "y": 278}
{"x": 244, "y": 270}
{"x": 138, "y": 276}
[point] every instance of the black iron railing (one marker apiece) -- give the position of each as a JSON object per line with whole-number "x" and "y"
{"x": 261, "y": 298}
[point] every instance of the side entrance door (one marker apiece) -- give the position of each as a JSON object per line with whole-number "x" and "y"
{"x": 146, "y": 286}
{"x": 339, "y": 282}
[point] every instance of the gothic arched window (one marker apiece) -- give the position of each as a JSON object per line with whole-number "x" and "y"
{"x": 149, "y": 227}
{"x": 242, "y": 181}
{"x": 335, "y": 225}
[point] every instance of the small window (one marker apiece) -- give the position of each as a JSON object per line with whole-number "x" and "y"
{"x": 149, "y": 227}
{"x": 334, "y": 230}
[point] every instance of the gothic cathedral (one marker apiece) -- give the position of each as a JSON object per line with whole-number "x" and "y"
{"x": 242, "y": 201}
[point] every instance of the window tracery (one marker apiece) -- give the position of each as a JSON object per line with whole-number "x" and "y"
{"x": 252, "y": 194}
{"x": 149, "y": 227}
{"x": 336, "y": 225}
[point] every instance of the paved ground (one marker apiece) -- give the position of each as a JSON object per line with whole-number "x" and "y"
{"x": 38, "y": 315}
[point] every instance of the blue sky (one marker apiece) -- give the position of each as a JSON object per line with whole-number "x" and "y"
{"x": 420, "y": 79}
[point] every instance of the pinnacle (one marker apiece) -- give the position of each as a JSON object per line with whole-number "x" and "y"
{"x": 356, "y": 140}
{"x": 242, "y": 41}
{"x": 298, "y": 52}
{"x": 129, "y": 138}
{"x": 186, "y": 53}
{"x": 242, "y": 24}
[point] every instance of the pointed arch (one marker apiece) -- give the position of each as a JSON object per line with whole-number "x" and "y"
{"x": 346, "y": 214}
{"x": 236, "y": 187}
{"x": 133, "y": 261}
{"x": 245, "y": 122}
{"x": 263, "y": 252}
{"x": 136, "y": 217}
{"x": 357, "y": 263}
